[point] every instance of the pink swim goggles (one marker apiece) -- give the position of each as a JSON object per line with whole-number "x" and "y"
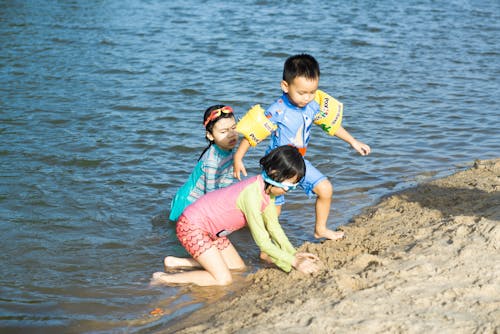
{"x": 216, "y": 113}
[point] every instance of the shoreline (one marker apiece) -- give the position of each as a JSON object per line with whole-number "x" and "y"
{"x": 425, "y": 259}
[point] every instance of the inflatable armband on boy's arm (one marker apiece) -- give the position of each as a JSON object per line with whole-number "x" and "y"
{"x": 255, "y": 126}
{"x": 329, "y": 117}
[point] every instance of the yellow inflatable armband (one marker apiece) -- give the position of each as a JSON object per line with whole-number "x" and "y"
{"x": 329, "y": 116}
{"x": 255, "y": 126}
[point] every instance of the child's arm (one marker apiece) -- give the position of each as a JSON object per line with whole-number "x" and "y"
{"x": 238, "y": 165}
{"x": 255, "y": 126}
{"x": 303, "y": 262}
{"x": 360, "y": 147}
{"x": 280, "y": 251}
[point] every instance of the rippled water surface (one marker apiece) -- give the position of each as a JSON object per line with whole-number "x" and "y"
{"x": 100, "y": 111}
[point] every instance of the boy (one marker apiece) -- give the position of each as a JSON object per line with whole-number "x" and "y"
{"x": 293, "y": 114}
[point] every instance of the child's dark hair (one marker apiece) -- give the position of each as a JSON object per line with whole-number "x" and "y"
{"x": 301, "y": 65}
{"x": 210, "y": 124}
{"x": 282, "y": 163}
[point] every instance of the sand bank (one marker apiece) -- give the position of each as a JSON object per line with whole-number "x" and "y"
{"x": 425, "y": 260}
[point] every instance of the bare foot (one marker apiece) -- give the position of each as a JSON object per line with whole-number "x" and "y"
{"x": 329, "y": 234}
{"x": 159, "y": 278}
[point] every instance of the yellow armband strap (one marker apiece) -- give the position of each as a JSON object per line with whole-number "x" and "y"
{"x": 329, "y": 117}
{"x": 255, "y": 126}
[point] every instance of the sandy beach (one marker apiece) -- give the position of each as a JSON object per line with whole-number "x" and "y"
{"x": 424, "y": 260}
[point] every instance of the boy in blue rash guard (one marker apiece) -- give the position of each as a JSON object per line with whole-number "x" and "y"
{"x": 293, "y": 114}
{"x": 214, "y": 169}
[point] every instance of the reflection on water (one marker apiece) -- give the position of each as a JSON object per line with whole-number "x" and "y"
{"x": 100, "y": 112}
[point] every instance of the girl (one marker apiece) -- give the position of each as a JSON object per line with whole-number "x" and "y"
{"x": 215, "y": 164}
{"x": 203, "y": 227}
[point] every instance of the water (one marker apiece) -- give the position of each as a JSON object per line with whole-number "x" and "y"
{"x": 100, "y": 111}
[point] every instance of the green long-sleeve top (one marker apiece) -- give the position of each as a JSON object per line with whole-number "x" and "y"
{"x": 223, "y": 211}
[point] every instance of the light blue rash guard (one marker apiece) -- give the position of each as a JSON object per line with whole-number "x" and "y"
{"x": 294, "y": 128}
{"x": 213, "y": 171}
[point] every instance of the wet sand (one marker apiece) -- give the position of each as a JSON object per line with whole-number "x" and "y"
{"x": 425, "y": 260}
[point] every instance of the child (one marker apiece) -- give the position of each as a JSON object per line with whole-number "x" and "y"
{"x": 215, "y": 164}
{"x": 293, "y": 114}
{"x": 204, "y": 225}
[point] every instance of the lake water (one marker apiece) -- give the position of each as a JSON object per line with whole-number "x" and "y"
{"x": 100, "y": 122}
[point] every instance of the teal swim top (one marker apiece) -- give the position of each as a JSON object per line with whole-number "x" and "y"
{"x": 213, "y": 171}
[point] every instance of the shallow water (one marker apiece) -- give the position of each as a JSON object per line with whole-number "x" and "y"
{"x": 100, "y": 111}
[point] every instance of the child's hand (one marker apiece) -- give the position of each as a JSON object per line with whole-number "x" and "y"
{"x": 306, "y": 266}
{"x": 306, "y": 263}
{"x": 360, "y": 147}
{"x": 305, "y": 255}
{"x": 239, "y": 167}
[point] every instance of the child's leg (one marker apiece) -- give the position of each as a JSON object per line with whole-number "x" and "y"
{"x": 172, "y": 262}
{"x": 231, "y": 257}
{"x": 315, "y": 182}
{"x": 229, "y": 253}
{"x": 278, "y": 210}
{"x": 215, "y": 255}
{"x": 216, "y": 271}
{"x": 324, "y": 191}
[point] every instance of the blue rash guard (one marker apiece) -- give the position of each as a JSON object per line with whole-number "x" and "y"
{"x": 294, "y": 128}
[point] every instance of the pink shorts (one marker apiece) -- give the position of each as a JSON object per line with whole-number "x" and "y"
{"x": 195, "y": 240}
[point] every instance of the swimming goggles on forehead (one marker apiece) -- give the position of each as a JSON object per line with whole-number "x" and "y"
{"x": 286, "y": 186}
{"x": 217, "y": 112}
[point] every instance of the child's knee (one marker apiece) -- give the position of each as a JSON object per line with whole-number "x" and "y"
{"x": 324, "y": 189}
